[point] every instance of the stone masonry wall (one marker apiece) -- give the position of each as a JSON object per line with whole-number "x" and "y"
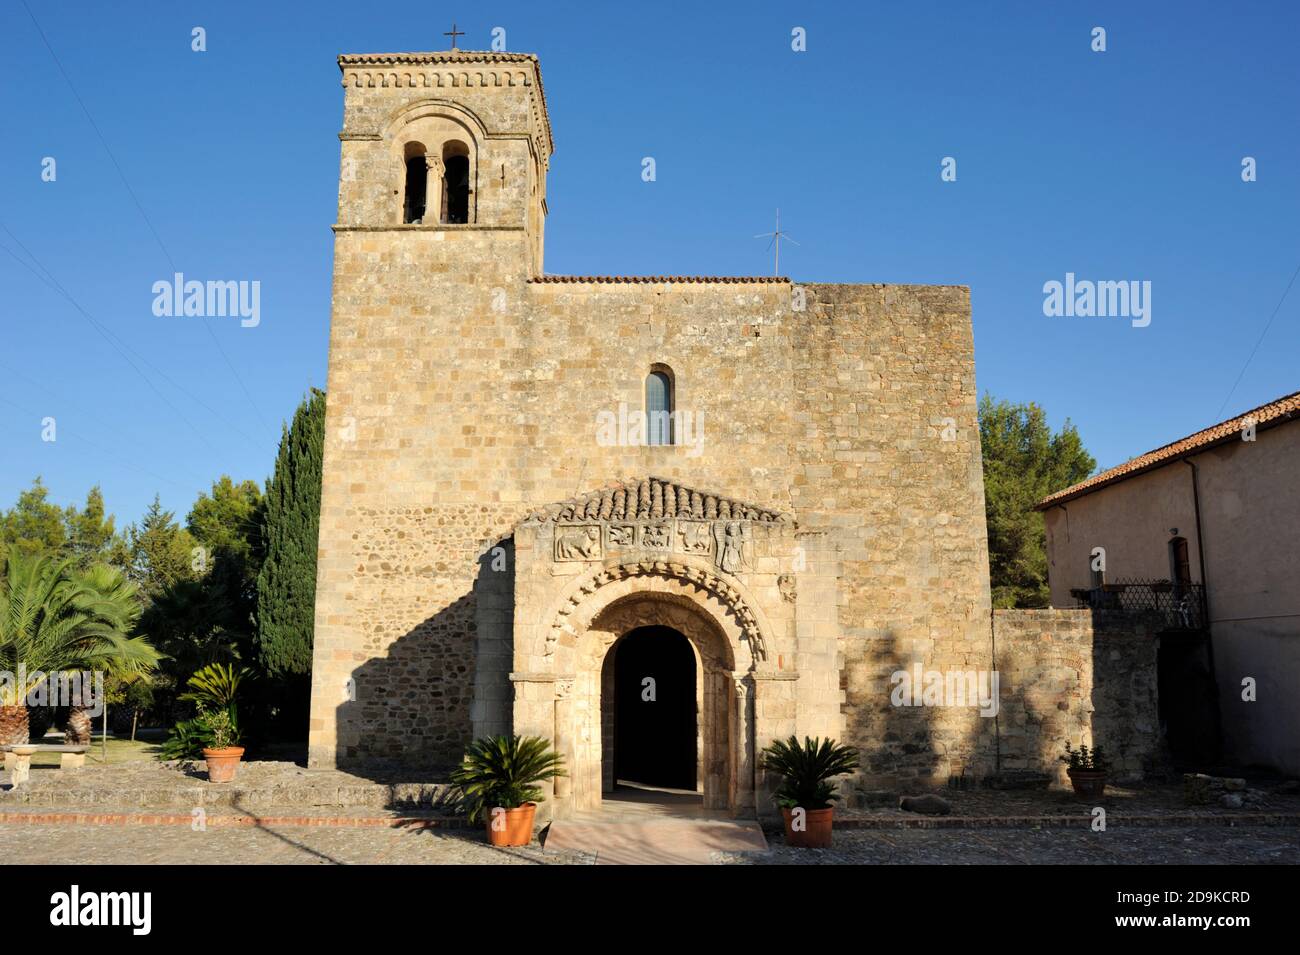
{"x": 463, "y": 394}
{"x": 1077, "y": 676}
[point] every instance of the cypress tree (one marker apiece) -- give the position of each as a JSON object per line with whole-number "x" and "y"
{"x": 286, "y": 585}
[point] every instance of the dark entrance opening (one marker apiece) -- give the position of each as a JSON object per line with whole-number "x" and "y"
{"x": 1188, "y": 700}
{"x": 416, "y": 179}
{"x": 655, "y": 735}
{"x": 455, "y": 207}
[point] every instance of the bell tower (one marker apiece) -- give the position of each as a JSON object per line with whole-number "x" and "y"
{"x": 450, "y": 142}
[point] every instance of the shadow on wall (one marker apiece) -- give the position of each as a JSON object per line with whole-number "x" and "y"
{"x": 896, "y": 745}
{"x": 1041, "y": 702}
{"x": 1125, "y": 717}
{"x": 1079, "y": 677}
{"x": 407, "y": 713}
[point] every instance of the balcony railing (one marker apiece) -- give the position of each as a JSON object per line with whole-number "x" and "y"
{"x": 1181, "y": 605}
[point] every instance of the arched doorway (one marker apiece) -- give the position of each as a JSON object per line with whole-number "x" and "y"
{"x": 685, "y": 744}
{"x": 655, "y": 703}
{"x": 563, "y": 683}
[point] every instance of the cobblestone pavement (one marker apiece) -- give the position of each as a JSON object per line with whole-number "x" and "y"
{"x": 259, "y": 783}
{"x": 266, "y": 783}
{"x": 179, "y": 845}
{"x": 341, "y": 846}
{"x": 1116, "y": 846}
{"x": 1150, "y": 798}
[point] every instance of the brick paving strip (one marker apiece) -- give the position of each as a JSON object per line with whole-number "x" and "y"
{"x": 428, "y": 821}
{"x": 212, "y": 819}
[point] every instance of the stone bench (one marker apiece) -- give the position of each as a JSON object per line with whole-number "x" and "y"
{"x": 18, "y": 758}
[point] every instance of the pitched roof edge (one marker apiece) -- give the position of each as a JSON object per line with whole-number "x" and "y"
{"x": 1266, "y": 416}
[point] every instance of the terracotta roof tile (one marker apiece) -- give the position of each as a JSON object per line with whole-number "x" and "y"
{"x": 1275, "y": 412}
{"x": 652, "y": 498}
{"x": 659, "y": 279}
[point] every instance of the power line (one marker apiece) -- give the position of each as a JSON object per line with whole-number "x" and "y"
{"x": 1267, "y": 325}
{"x": 121, "y": 175}
{"x": 120, "y": 346}
{"x": 104, "y": 334}
{"x": 102, "y": 450}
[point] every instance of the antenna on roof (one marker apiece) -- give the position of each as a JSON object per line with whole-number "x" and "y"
{"x": 776, "y": 243}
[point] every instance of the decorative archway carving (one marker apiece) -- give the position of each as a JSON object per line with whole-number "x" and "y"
{"x": 737, "y": 617}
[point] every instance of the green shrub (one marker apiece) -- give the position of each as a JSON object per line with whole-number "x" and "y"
{"x": 1084, "y": 759}
{"x": 187, "y": 740}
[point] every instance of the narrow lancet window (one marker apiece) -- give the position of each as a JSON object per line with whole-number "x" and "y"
{"x": 416, "y": 177}
{"x": 659, "y": 407}
{"x": 455, "y": 194}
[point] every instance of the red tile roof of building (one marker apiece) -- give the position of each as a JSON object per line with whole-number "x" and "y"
{"x": 1273, "y": 413}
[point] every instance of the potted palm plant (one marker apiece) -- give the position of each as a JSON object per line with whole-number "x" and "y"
{"x": 1087, "y": 770}
{"x": 499, "y": 778}
{"x": 806, "y": 795}
{"x": 214, "y": 731}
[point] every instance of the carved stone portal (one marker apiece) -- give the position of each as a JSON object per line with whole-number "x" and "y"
{"x": 735, "y": 546}
{"x": 620, "y": 536}
{"x": 657, "y": 536}
{"x": 694, "y": 537}
{"x": 577, "y": 542}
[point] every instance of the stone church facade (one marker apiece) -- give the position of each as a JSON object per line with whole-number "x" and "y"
{"x": 493, "y": 528}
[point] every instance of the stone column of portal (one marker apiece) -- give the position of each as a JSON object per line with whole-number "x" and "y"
{"x": 433, "y": 190}
{"x": 742, "y": 744}
{"x": 564, "y": 735}
{"x": 774, "y": 718}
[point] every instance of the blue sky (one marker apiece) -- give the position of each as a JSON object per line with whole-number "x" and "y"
{"x": 1122, "y": 165}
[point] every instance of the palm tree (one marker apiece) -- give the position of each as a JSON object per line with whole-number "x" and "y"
{"x": 113, "y": 600}
{"x": 55, "y": 619}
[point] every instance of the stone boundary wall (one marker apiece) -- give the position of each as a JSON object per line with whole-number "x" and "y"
{"x": 1064, "y": 675}
{"x": 1079, "y": 676}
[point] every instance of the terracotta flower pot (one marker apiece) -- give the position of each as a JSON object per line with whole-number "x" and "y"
{"x": 511, "y": 827}
{"x": 816, "y": 832}
{"x": 1087, "y": 783}
{"x": 223, "y": 763}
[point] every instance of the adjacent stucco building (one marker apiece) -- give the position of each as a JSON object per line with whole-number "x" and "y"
{"x": 1208, "y": 528}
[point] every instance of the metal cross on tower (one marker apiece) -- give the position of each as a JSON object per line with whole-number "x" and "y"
{"x": 453, "y": 33}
